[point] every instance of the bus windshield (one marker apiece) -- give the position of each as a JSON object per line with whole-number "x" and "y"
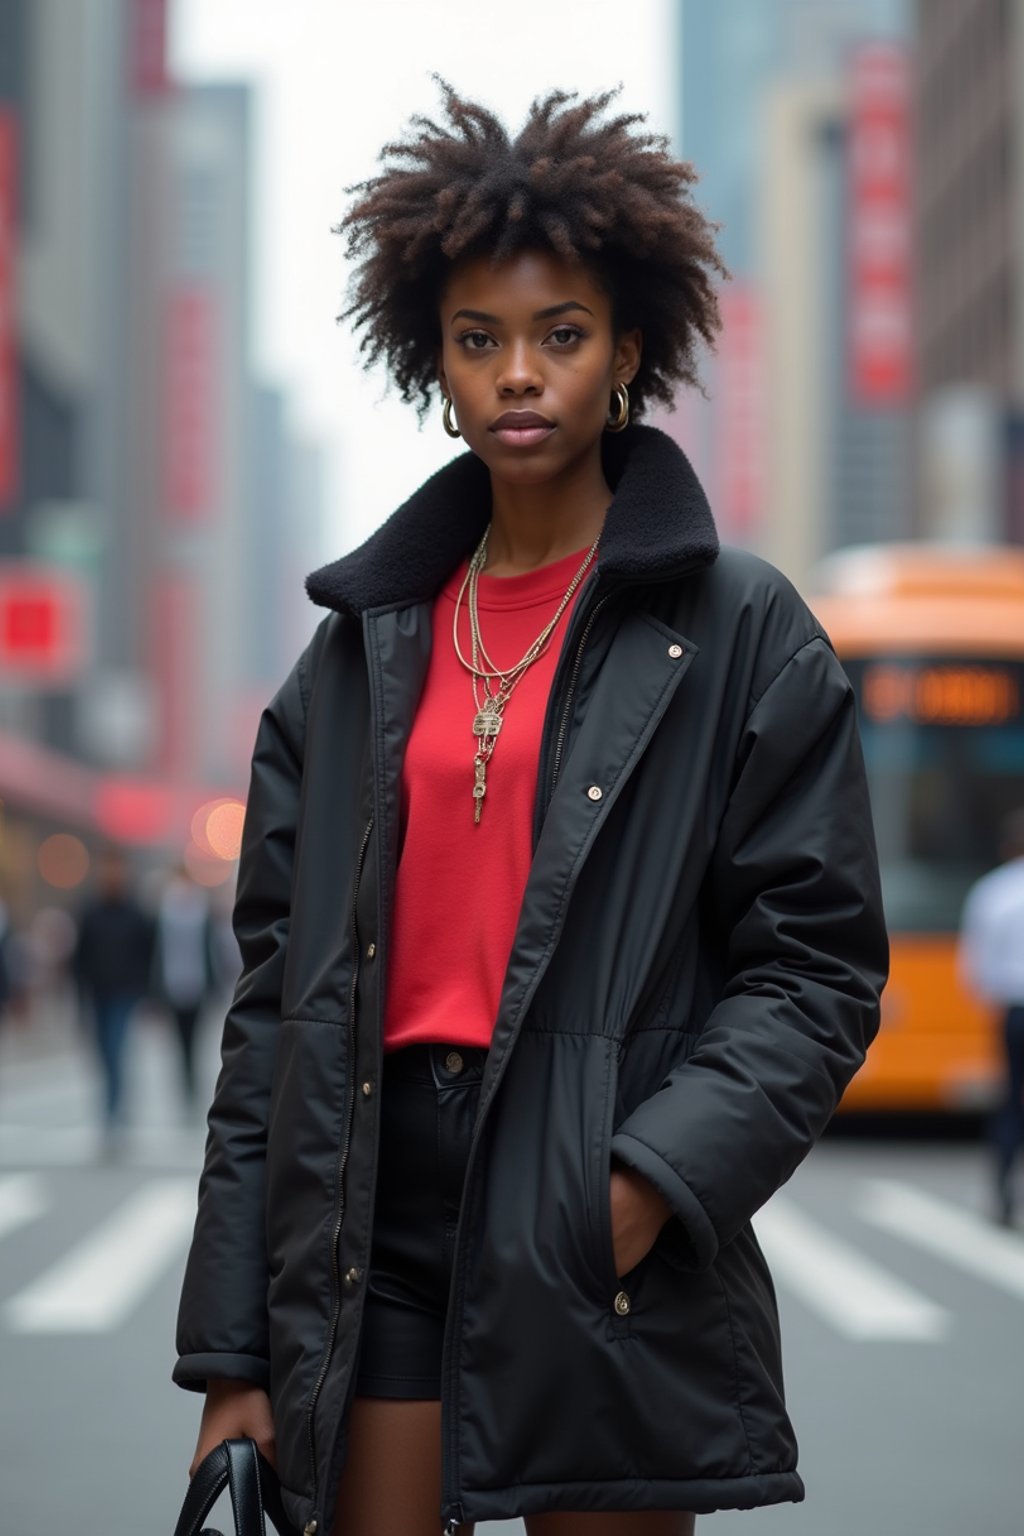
{"x": 944, "y": 749}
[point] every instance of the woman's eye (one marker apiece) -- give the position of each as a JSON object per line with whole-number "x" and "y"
{"x": 564, "y": 334}
{"x": 475, "y": 341}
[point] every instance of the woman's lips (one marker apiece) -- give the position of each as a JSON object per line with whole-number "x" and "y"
{"x": 522, "y": 429}
{"x": 522, "y": 437}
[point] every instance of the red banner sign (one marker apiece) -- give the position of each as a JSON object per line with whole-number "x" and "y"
{"x": 176, "y": 670}
{"x": 740, "y": 425}
{"x": 42, "y": 624}
{"x": 149, "y": 47}
{"x": 879, "y": 228}
{"x": 190, "y": 406}
{"x": 9, "y": 411}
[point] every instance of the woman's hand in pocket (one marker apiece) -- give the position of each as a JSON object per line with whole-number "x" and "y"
{"x": 638, "y": 1213}
{"x": 233, "y": 1410}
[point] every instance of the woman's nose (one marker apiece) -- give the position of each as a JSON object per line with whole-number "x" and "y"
{"x": 519, "y": 373}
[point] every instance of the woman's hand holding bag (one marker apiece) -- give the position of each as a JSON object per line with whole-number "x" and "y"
{"x": 252, "y": 1482}
{"x": 234, "y": 1410}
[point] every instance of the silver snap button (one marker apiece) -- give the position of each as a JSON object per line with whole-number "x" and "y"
{"x": 310, "y": 1528}
{"x": 595, "y": 792}
{"x": 675, "y": 651}
{"x": 622, "y": 1304}
{"x": 353, "y": 1276}
{"x": 453, "y": 1061}
{"x": 371, "y": 950}
{"x": 367, "y": 1090}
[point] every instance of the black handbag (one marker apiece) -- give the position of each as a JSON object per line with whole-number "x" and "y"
{"x": 255, "y": 1492}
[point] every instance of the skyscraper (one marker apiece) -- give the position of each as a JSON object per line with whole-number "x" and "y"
{"x": 134, "y": 570}
{"x": 766, "y": 110}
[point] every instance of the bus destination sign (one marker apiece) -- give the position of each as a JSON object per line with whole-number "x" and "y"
{"x": 934, "y": 693}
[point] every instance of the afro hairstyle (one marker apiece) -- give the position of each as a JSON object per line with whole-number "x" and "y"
{"x": 592, "y": 188}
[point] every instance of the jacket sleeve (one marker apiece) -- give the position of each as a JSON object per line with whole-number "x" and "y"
{"x": 222, "y": 1316}
{"x": 794, "y": 891}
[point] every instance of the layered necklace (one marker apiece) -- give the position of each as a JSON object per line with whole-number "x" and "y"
{"x": 490, "y": 706}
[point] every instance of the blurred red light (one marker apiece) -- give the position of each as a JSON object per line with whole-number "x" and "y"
{"x": 133, "y": 812}
{"x": 224, "y": 829}
{"x": 63, "y": 860}
{"x": 199, "y": 823}
{"x": 204, "y": 869}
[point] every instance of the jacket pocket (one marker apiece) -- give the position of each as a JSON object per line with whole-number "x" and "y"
{"x": 612, "y": 1284}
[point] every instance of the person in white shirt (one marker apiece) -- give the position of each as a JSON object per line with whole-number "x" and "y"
{"x": 184, "y": 968}
{"x": 991, "y": 961}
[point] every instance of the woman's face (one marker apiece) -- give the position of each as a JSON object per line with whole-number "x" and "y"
{"x": 530, "y": 359}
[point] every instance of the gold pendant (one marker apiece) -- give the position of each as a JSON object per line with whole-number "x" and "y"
{"x": 479, "y": 789}
{"x": 487, "y": 720}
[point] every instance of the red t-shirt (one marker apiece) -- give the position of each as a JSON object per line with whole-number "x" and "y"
{"x": 460, "y": 886}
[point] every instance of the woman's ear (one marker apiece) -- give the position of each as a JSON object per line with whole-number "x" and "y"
{"x": 442, "y": 378}
{"x": 628, "y": 352}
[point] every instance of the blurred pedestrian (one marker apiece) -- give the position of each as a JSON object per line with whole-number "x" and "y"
{"x": 111, "y": 963}
{"x": 226, "y": 950}
{"x": 991, "y": 959}
{"x": 185, "y": 972}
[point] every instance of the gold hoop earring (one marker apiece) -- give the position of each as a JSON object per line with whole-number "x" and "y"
{"x": 446, "y": 418}
{"x": 620, "y": 420}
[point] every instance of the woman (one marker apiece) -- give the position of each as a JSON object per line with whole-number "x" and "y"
{"x": 588, "y": 796}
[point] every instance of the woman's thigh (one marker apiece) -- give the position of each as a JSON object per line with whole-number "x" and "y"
{"x": 641, "y": 1522}
{"x": 392, "y": 1477}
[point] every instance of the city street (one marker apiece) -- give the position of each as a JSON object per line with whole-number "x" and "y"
{"x": 676, "y": 350}
{"x": 902, "y": 1313}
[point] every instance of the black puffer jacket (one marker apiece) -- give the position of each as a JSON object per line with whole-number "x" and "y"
{"x": 694, "y": 980}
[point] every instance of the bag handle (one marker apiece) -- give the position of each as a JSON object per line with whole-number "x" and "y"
{"x": 239, "y": 1466}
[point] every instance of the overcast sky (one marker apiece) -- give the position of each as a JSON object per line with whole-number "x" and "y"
{"x": 335, "y": 79}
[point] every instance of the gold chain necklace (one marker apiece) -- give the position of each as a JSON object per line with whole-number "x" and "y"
{"x": 487, "y": 720}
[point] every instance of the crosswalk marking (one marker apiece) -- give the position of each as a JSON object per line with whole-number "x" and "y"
{"x": 170, "y": 1147}
{"x": 946, "y": 1230}
{"x": 96, "y": 1285}
{"x": 22, "y": 1199}
{"x": 859, "y": 1298}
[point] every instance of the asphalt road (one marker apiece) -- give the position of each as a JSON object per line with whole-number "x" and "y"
{"x": 902, "y": 1312}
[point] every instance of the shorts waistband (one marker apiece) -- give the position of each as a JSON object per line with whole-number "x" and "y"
{"x": 436, "y": 1062}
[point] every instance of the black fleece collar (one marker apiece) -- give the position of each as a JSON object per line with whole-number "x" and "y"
{"x": 658, "y": 525}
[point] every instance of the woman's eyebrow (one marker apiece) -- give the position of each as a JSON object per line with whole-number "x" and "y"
{"x": 562, "y": 309}
{"x": 484, "y": 318}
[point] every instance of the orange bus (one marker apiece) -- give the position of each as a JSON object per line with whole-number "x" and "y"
{"x": 932, "y": 638}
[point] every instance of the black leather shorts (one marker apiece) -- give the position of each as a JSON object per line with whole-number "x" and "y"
{"x": 429, "y": 1097}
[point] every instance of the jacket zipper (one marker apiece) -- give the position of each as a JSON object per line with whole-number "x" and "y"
{"x": 339, "y": 1214}
{"x": 563, "y": 728}
{"x": 451, "y": 1512}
